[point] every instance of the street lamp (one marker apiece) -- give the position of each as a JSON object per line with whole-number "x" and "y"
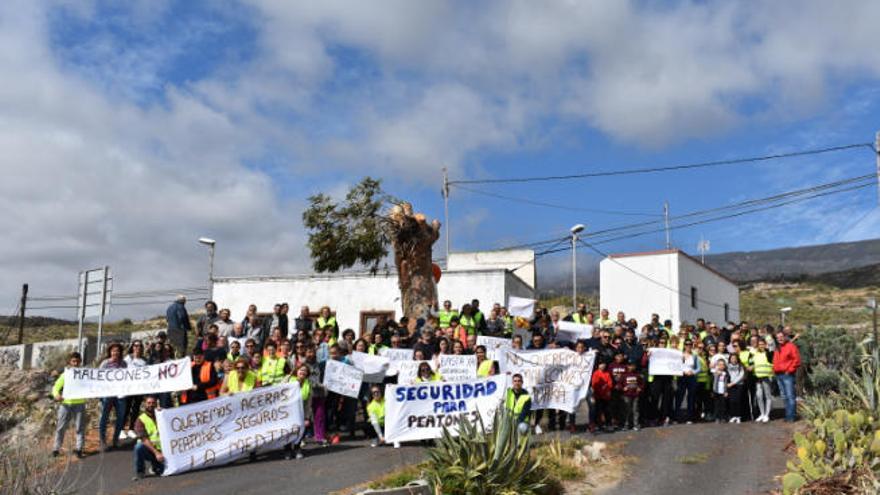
{"x": 782, "y": 312}
{"x": 210, "y": 243}
{"x": 574, "y": 236}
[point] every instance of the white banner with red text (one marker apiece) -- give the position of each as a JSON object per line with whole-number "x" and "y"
{"x": 89, "y": 383}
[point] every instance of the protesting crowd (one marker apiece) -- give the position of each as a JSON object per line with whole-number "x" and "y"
{"x": 541, "y": 366}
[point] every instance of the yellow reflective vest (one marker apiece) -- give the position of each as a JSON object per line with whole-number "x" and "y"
{"x": 763, "y": 365}
{"x": 376, "y": 409}
{"x": 152, "y": 430}
{"x": 445, "y": 318}
{"x": 485, "y": 368}
{"x": 57, "y": 391}
{"x": 271, "y": 371}
{"x": 233, "y": 385}
{"x": 516, "y": 404}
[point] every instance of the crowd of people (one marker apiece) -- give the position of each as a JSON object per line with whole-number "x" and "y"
{"x": 728, "y": 372}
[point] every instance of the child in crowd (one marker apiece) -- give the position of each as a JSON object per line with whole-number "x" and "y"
{"x": 602, "y": 386}
{"x": 631, "y": 385}
{"x": 720, "y": 383}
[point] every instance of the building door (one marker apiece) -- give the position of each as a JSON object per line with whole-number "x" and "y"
{"x": 369, "y": 320}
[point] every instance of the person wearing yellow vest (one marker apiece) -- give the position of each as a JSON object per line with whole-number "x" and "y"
{"x": 301, "y": 377}
{"x": 580, "y": 316}
{"x": 426, "y": 374}
{"x": 376, "y": 412}
{"x": 148, "y": 447}
{"x": 704, "y": 386}
{"x": 467, "y": 319}
{"x": 518, "y": 402}
{"x": 479, "y": 317}
{"x": 69, "y": 409}
{"x": 206, "y": 385}
{"x": 605, "y": 320}
{"x": 445, "y": 315}
{"x": 327, "y": 320}
{"x": 272, "y": 369}
{"x": 763, "y": 373}
{"x": 485, "y": 367}
{"x": 240, "y": 379}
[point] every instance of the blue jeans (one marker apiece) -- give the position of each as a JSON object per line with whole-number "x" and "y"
{"x": 686, "y": 385}
{"x": 108, "y": 403}
{"x": 786, "y": 388}
{"x": 141, "y": 455}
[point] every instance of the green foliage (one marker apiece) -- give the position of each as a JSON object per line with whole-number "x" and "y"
{"x": 342, "y": 235}
{"x": 833, "y": 349}
{"x": 400, "y": 477}
{"x": 559, "y": 460}
{"x": 864, "y": 386}
{"x": 792, "y": 482}
{"x": 824, "y": 380}
{"x": 477, "y": 461}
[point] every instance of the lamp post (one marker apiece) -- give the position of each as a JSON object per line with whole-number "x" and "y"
{"x": 210, "y": 243}
{"x": 574, "y": 236}
{"x": 782, "y": 312}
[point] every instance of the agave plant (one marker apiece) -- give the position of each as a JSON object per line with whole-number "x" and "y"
{"x": 864, "y": 385}
{"x": 476, "y": 460}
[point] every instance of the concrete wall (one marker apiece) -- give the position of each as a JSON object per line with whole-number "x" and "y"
{"x": 349, "y": 294}
{"x": 521, "y": 260}
{"x": 15, "y": 356}
{"x": 42, "y": 350}
{"x": 622, "y": 290}
{"x": 713, "y": 291}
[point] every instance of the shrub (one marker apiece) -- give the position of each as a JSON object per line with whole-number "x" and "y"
{"x": 25, "y": 470}
{"x": 824, "y": 380}
{"x": 481, "y": 462}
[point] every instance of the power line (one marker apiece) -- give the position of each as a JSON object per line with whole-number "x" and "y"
{"x": 733, "y": 215}
{"x": 646, "y": 170}
{"x": 551, "y": 205}
{"x": 124, "y": 295}
{"x": 735, "y": 206}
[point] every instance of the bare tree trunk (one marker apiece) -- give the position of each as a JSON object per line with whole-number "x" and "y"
{"x": 412, "y": 239}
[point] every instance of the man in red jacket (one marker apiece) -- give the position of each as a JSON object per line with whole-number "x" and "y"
{"x": 786, "y": 361}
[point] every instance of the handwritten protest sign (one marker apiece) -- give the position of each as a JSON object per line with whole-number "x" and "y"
{"x": 495, "y": 346}
{"x": 374, "y": 367}
{"x": 518, "y": 306}
{"x": 409, "y": 370}
{"x": 555, "y": 378}
{"x": 420, "y": 411}
{"x": 88, "y": 383}
{"x": 572, "y": 332}
{"x": 458, "y": 368}
{"x": 222, "y": 430}
{"x": 342, "y": 378}
{"x": 395, "y": 356}
{"x": 664, "y": 362}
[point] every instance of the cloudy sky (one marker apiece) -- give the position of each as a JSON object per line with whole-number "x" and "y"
{"x": 130, "y": 129}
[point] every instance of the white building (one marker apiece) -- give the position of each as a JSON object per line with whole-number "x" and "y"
{"x": 670, "y": 283}
{"x": 358, "y": 299}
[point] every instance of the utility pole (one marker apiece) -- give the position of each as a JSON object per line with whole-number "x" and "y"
{"x": 575, "y": 230}
{"x": 23, "y": 305}
{"x": 446, "y": 209}
{"x": 703, "y": 247}
{"x": 103, "y": 307}
{"x": 877, "y": 152}
{"x": 666, "y": 223}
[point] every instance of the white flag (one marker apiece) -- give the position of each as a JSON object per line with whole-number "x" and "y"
{"x": 518, "y": 306}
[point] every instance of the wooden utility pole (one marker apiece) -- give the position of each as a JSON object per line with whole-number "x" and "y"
{"x": 21, "y": 311}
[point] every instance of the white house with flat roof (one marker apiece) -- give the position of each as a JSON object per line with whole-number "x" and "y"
{"x": 670, "y": 283}
{"x": 359, "y": 299}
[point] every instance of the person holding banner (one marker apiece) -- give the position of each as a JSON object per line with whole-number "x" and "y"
{"x": 302, "y": 378}
{"x": 485, "y": 367}
{"x": 113, "y": 361}
{"x": 148, "y": 447}
{"x": 69, "y": 409}
{"x": 134, "y": 359}
{"x": 206, "y": 385}
{"x": 240, "y": 379}
{"x": 426, "y": 374}
{"x": 376, "y": 410}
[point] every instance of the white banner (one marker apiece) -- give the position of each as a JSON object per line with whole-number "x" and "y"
{"x": 420, "y": 411}
{"x": 495, "y": 346}
{"x": 518, "y": 306}
{"x": 374, "y": 367}
{"x": 572, "y": 332}
{"x": 664, "y": 361}
{"x": 555, "y": 378}
{"x": 342, "y": 378}
{"x": 89, "y": 383}
{"x": 395, "y": 356}
{"x": 458, "y": 368}
{"x": 222, "y": 430}
{"x": 409, "y": 370}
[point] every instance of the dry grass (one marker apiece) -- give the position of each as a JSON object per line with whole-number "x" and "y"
{"x": 814, "y": 304}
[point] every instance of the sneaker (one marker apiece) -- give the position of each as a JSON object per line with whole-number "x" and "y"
{"x": 396, "y": 445}
{"x": 288, "y": 455}
{"x": 636, "y": 428}
{"x": 766, "y": 418}
{"x": 731, "y": 420}
{"x": 132, "y": 435}
{"x": 299, "y": 455}
{"x": 374, "y": 443}
{"x": 538, "y": 430}
{"x": 689, "y": 422}
{"x": 334, "y": 439}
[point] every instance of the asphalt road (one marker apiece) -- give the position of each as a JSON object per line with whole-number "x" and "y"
{"x": 735, "y": 459}
{"x": 323, "y": 470}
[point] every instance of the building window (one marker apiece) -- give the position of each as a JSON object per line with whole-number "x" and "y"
{"x": 369, "y": 319}
{"x": 694, "y": 297}
{"x": 726, "y": 312}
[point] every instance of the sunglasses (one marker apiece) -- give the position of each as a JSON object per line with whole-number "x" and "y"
{"x": 240, "y": 368}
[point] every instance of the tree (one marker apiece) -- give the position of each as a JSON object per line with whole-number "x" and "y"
{"x": 360, "y": 229}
